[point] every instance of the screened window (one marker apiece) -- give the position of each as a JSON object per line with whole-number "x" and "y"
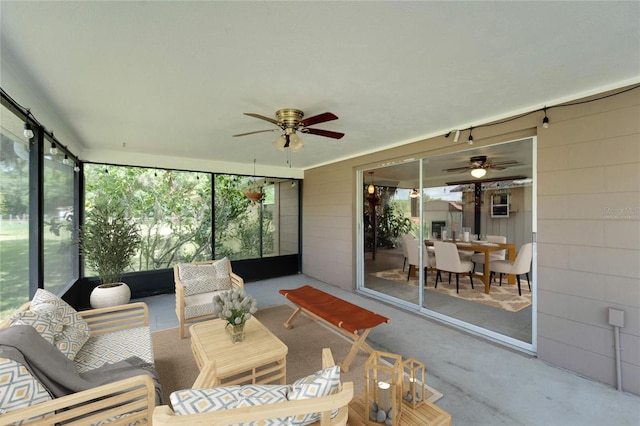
{"x": 59, "y": 224}
{"x": 172, "y": 209}
{"x": 14, "y": 207}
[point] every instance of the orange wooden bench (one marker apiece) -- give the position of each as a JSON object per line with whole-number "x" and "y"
{"x": 349, "y": 319}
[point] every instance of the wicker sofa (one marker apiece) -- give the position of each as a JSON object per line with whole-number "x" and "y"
{"x": 196, "y": 284}
{"x": 268, "y": 405}
{"x": 114, "y": 334}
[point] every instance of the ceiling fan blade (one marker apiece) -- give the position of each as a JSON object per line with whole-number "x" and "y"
{"x": 262, "y": 117}
{"x": 457, "y": 169}
{"x": 326, "y": 133}
{"x": 320, "y": 118}
{"x": 257, "y": 131}
{"x": 506, "y": 163}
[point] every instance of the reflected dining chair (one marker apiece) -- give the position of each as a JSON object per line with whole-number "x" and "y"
{"x": 406, "y": 240}
{"x": 494, "y": 255}
{"x": 522, "y": 265}
{"x": 448, "y": 260}
{"x": 413, "y": 258}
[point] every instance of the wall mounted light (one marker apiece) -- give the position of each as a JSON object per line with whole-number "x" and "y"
{"x": 76, "y": 167}
{"x": 414, "y": 193}
{"x": 65, "y": 160}
{"x": 54, "y": 149}
{"x": 470, "y": 140}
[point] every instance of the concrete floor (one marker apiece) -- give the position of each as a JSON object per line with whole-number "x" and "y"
{"x": 482, "y": 383}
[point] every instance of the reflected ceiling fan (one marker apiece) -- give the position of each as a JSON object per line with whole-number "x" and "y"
{"x": 290, "y": 122}
{"x": 479, "y": 165}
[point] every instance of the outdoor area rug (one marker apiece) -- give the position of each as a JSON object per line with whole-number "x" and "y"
{"x": 503, "y": 297}
{"x": 177, "y": 368}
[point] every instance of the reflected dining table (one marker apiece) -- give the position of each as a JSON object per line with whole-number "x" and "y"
{"x": 486, "y": 248}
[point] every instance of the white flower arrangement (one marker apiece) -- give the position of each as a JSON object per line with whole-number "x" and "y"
{"x": 234, "y": 306}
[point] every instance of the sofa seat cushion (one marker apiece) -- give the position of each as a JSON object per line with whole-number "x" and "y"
{"x": 205, "y": 278}
{"x": 194, "y": 401}
{"x": 18, "y": 388}
{"x": 198, "y": 305}
{"x": 113, "y": 347}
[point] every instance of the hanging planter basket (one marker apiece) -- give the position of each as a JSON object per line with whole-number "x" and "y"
{"x": 254, "y": 196}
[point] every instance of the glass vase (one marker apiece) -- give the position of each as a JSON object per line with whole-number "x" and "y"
{"x": 236, "y": 331}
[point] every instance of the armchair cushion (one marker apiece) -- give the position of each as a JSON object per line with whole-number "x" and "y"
{"x": 198, "y": 279}
{"x": 74, "y": 329}
{"x": 194, "y": 401}
{"x": 21, "y": 389}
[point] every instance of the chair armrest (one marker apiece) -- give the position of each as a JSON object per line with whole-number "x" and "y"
{"x": 327, "y": 358}
{"x": 236, "y": 281}
{"x": 134, "y": 396}
{"x": 163, "y": 415}
{"x": 114, "y": 318}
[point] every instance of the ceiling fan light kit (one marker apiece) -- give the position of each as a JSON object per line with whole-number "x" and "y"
{"x": 291, "y": 123}
{"x": 478, "y": 173}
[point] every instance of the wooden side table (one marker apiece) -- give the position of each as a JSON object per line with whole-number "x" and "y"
{"x": 261, "y": 358}
{"x": 427, "y": 414}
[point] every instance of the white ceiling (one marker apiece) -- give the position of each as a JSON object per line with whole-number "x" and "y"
{"x": 174, "y": 78}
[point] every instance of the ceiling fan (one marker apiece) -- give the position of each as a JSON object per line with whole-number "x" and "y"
{"x": 290, "y": 123}
{"x": 479, "y": 165}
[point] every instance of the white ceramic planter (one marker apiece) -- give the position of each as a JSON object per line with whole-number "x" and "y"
{"x": 106, "y": 295}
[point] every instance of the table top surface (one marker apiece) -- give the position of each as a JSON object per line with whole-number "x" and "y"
{"x": 213, "y": 344}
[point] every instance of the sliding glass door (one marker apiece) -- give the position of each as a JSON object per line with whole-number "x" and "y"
{"x": 439, "y": 197}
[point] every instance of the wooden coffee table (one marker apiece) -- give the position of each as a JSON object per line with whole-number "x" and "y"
{"x": 261, "y": 358}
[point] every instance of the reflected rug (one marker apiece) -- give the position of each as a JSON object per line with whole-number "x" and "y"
{"x": 502, "y": 297}
{"x": 178, "y": 370}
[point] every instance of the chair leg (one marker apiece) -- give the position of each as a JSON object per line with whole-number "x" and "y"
{"x": 404, "y": 263}
{"x": 491, "y": 278}
{"x": 500, "y": 279}
{"x": 528, "y": 282}
{"x": 474, "y": 267}
{"x": 471, "y": 279}
{"x": 438, "y": 276}
{"x": 457, "y": 283}
{"x": 449, "y": 277}
{"x": 519, "y": 291}
{"x": 409, "y": 273}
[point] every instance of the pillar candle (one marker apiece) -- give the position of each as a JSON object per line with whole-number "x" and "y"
{"x": 384, "y": 396}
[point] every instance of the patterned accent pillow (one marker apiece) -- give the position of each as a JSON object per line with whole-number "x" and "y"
{"x": 321, "y": 383}
{"x": 75, "y": 330}
{"x": 205, "y": 278}
{"x": 42, "y": 324}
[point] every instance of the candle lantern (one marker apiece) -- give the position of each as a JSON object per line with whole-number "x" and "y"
{"x": 413, "y": 386}
{"x": 383, "y": 388}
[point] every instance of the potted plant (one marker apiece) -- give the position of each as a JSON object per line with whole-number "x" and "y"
{"x": 108, "y": 241}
